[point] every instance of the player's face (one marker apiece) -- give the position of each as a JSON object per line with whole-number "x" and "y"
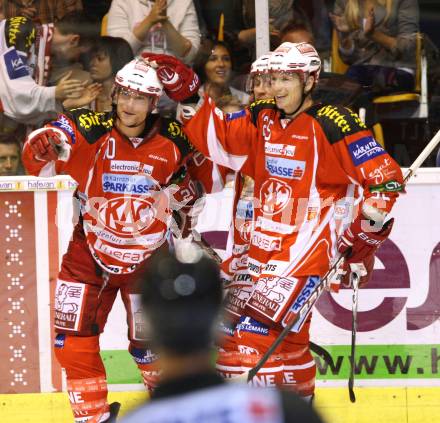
{"x": 262, "y": 88}
{"x": 218, "y": 66}
{"x": 133, "y": 108}
{"x": 9, "y": 159}
{"x": 100, "y": 67}
{"x": 287, "y": 88}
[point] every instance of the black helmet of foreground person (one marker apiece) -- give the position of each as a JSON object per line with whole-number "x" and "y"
{"x": 299, "y": 58}
{"x": 181, "y": 295}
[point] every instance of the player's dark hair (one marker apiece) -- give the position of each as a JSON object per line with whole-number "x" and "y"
{"x": 78, "y": 23}
{"x": 116, "y": 48}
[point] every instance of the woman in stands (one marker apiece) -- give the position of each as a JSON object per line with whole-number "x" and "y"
{"x": 215, "y": 70}
{"x": 377, "y": 38}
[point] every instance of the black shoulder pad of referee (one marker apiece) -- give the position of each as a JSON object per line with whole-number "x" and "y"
{"x": 257, "y": 106}
{"x": 336, "y": 121}
{"x": 172, "y": 130}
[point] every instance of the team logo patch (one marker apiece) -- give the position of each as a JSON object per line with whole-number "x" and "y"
{"x": 285, "y": 168}
{"x": 15, "y": 65}
{"x": 69, "y": 298}
{"x": 274, "y": 195}
{"x": 279, "y": 149}
{"x": 126, "y": 216}
{"x": 64, "y": 124}
{"x": 365, "y": 149}
{"x": 127, "y": 184}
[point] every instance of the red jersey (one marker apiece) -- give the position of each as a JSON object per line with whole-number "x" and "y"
{"x": 125, "y": 209}
{"x": 305, "y": 170}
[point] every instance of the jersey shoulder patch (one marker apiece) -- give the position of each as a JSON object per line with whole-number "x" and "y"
{"x": 337, "y": 122}
{"x": 258, "y": 106}
{"x": 20, "y": 32}
{"x": 172, "y": 130}
{"x": 91, "y": 125}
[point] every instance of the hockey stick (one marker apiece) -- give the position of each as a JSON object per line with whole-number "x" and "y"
{"x": 249, "y": 375}
{"x": 355, "y": 277}
{"x": 355, "y": 285}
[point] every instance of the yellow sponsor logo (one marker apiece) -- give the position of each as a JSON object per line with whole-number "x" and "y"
{"x": 175, "y": 130}
{"x": 332, "y": 113}
{"x": 90, "y": 119}
{"x": 14, "y": 28}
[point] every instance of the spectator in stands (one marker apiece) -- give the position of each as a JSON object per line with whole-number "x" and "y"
{"x": 297, "y": 31}
{"x": 280, "y": 12}
{"x": 42, "y": 11}
{"x": 27, "y": 51}
{"x": 159, "y": 26}
{"x": 10, "y": 163}
{"x": 229, "y": 104}
{"x": 214, "y": 68}
{"x": 109, "y": 55}
{"x": 377, "y": 39}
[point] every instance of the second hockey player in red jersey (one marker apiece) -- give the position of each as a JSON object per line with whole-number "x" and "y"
{"x": 126, "y": 163}
{"x": 306, "y": 160}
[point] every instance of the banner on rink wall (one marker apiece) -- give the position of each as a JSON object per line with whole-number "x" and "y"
{"x": 399, "y": 326}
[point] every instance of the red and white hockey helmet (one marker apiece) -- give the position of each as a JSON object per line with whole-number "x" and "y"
{"x": 261, "y": 65}
{"x": 140, "y": 77}
{"x": 300, "y": 58}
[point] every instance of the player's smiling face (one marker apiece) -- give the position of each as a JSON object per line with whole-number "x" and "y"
{"x": 133, "y": 108}
{"x": 287, "y": 90}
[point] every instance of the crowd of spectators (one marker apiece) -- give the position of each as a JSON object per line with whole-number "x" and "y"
{"x": 71, "y": 50}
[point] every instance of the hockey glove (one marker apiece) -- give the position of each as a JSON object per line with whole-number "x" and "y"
{"x": 179, "y": 81}
{"x": 359, "y": 244}
{"x": 48, "y": 144}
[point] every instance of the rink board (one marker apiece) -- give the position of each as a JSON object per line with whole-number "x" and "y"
{"x": 398, "y": 339}
{"x": 381, "y": 405}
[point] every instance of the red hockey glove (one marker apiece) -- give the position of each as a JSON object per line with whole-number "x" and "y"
{"x": 178, "y": 80}
{"x": 47, "y": 144}
{"x": 359, "y": 245}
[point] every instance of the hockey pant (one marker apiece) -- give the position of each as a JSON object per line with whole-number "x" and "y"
{"x": 291, "y": 366}
{"x": 84, "y": 296}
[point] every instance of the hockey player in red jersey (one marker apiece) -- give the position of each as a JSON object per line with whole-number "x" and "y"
{"x": 306, "y": 160}
{"x": 126, "y": 163}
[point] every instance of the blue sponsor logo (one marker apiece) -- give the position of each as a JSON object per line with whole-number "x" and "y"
{"x": 126, "y": 184}
{"x": 235, "y": 115}
{"x": 245, "y": 209}
{"x": 142, "y": 356}
{"x": 64, "y": 124}
{"x": 365, "y": 149}
{"x": 306, "y": 293}
{"x": 247, "y": 324}
{"x": 59, "y": 340}
{"x": 226, "y": 329}
{"x": 285, "y": 168}
{"x": 15, "y": 65}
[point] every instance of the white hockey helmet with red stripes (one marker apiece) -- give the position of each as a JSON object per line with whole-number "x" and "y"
{"x": 140, "y": 77}
{"x": 301, "y": 58}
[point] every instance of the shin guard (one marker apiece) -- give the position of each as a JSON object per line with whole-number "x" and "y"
{"x": 147, "y": 363}
{"x": 86, "y": 379}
